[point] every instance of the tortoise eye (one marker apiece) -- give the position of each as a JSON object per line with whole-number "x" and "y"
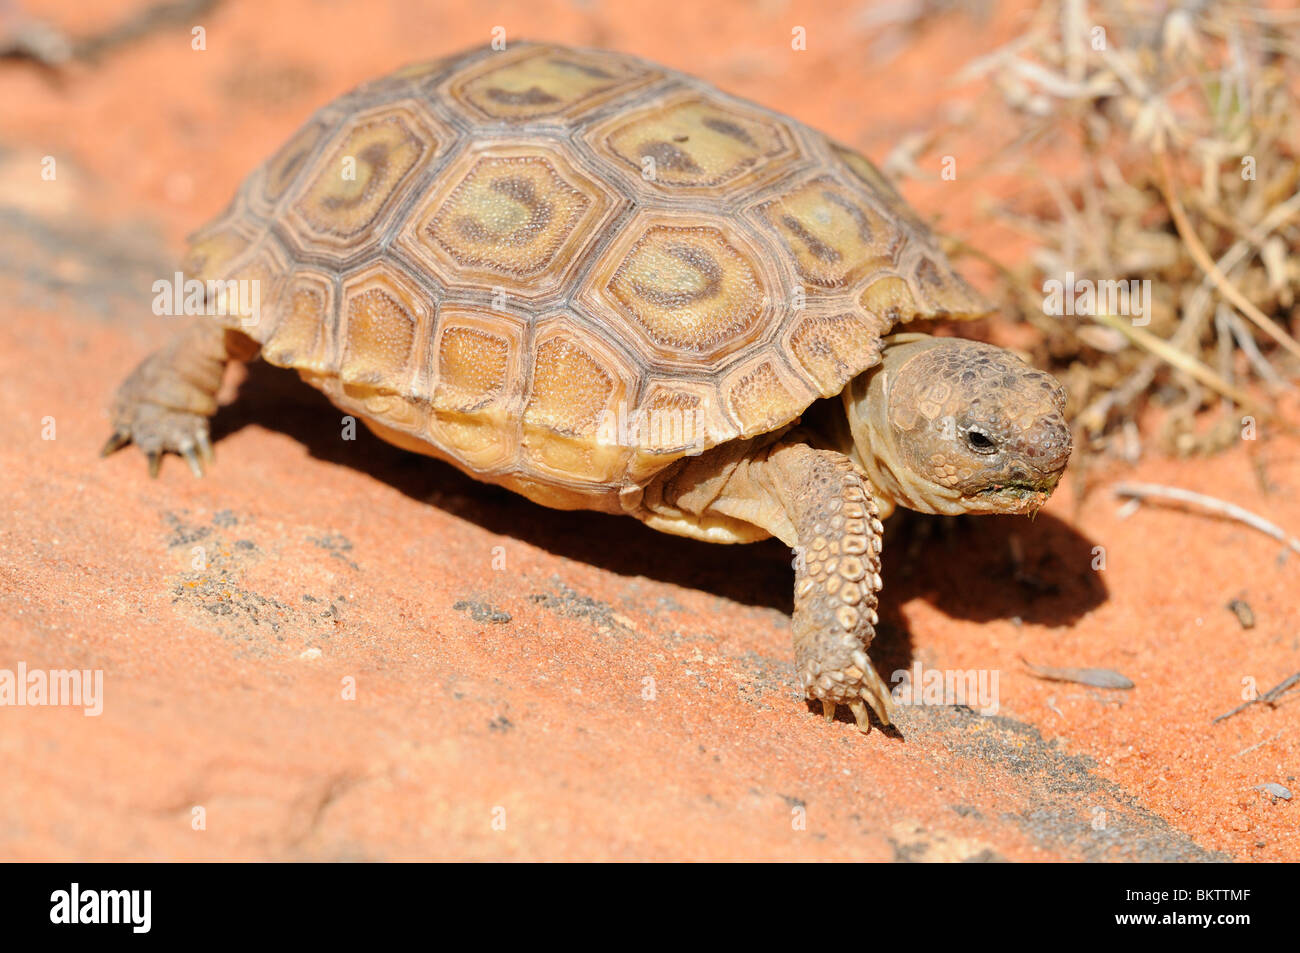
{"x": 980, "y": 442}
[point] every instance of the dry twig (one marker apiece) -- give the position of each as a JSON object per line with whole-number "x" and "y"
{"x": 1144, "y": 491}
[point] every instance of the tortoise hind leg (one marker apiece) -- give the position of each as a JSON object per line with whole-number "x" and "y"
{"x": 818, "y": 502}
{"x": 165, "y": 403}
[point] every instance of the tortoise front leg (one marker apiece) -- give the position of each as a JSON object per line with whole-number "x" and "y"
{"x": 164, "y": 404}
{"x": 837, "y": 576}
{"x": 818, "y": 502}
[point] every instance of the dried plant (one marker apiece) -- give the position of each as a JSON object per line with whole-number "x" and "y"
{"x": 1157, "y": 142}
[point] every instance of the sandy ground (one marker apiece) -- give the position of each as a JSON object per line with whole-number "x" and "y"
{"x": 379, "y": 658}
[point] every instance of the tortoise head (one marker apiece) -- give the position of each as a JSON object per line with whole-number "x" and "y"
{"x": 945, "y": 425}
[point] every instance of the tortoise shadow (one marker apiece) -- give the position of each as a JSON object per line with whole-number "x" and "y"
{"x": 973, "y": 568}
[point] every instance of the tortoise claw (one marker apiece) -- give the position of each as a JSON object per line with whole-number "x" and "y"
{"x": 877, "y": 695}
{"x": 192, "y": 458}
{"x": 158, "y": 431}
{"x": 858, "y": 706}
{"x": 116, "y": 442}
{"x": 860, "y": 715}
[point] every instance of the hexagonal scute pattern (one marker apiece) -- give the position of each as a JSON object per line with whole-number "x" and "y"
{"x": 535, "y": 82}
{"x": 698, "y": 142}
{"x": 515, "y": 218}
{"x": 562, "y": 269}
{"x": 690, "y": 289}
{"x": 361, "y": 175}
{"x": 835, "y": 237}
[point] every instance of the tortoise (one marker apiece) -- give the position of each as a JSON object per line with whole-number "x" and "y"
{"x": 607, "y": 285}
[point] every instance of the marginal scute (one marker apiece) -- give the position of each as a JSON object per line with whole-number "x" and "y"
{"x": 834, "y": 236}
{"x": 833, "y": 348}
{"x": 249, "y": 298}
{"x": 676, "y": 418}
{"x": 947, "y": 293}
{"x": 477, "y": 360}
{"x": 537, "y": 82}
{"x": 881, "y": 189}
{"x": 241, "y": 277}
{"x": 763, "y": 398}
{"x": 360, "y": 176}
{"x": 690, "y": 289}
{"x": 570, "y": 390}
{"x": 577, "y": 396}
{"x": 381, "y": 333}
{"x": 382, "y": 320}
{"x": 216, "y": 248}
{"x": 672, "y": 420}
{"x": 889, "y": 300}
{"x": 697, "y": 142}
{"x": 943, "y": 292}
{"x": 473, "y": 365}
{"x": 299, "y": 337}
{"x": 423, "y": 70}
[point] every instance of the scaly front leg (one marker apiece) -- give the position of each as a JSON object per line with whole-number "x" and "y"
{"x": 818, "y": 502}
{"x": 836, "y": 579}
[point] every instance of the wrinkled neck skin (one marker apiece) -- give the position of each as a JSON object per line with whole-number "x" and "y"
{"x": 866, "y": 407}
{"x": 860, "y": 421}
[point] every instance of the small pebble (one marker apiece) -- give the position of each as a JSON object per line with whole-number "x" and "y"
{"x": 1244, "y": 613}
{"x": 1275, "y": 789}
{"x": 1094, "y": 677}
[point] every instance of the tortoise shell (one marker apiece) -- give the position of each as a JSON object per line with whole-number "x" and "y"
{"x": 562, "y": 269}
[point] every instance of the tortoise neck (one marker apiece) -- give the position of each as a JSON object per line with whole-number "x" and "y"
{"x": 825, "y": 426}
{"x": 869, "y": 444}
{"x": 838, "y": 424}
